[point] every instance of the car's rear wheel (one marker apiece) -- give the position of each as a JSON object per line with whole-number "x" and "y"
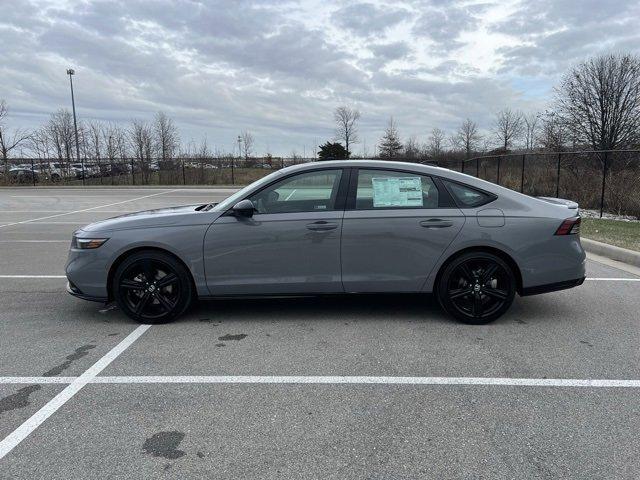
{"x": 152, "y": 287}
{"x": 476, "y": 287}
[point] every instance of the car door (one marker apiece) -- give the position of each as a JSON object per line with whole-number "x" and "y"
{"x": 396, "y": 226}
{"x": 290, "y": 245}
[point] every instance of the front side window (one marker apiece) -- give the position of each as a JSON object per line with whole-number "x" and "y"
{"x": 467, "y": 197}
{"x": 305, "y": 192}
{"x": 379, "y": 189}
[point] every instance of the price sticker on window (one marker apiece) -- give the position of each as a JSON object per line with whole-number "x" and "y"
{"x": 397, "y": 192}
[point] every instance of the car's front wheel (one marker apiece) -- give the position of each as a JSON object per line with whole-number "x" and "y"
{"x": 152, "y": 287}
{"x": 476, "y": 287}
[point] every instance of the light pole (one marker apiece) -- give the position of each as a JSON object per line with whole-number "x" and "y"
{"x": 72, "y": 72}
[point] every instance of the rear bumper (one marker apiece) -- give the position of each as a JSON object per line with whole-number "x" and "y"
{"x": 552, "y": 287}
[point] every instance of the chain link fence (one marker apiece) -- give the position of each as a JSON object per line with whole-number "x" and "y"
{"x": 130, "y": 171}
{"x": 606, "y": 181}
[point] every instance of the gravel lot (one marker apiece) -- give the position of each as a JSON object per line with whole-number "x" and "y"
{"x": 214, "y": 395}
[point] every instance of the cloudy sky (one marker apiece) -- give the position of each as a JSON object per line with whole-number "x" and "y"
{"x": 279, "y": 68}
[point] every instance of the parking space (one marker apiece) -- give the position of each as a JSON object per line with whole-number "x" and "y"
{"x": 381, "y": 386}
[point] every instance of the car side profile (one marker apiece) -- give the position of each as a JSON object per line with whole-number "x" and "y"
{"x": 338, "y": 227}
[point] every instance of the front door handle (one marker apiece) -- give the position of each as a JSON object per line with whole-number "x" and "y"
{"x": 436, "y": 223}
{"x": 322, "y": 226}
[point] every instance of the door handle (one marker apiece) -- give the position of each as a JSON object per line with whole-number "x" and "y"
{"x": 322, "y": 226}
{"x": 436, "y": 223}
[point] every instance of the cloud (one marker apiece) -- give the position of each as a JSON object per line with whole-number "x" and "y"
{"x": 279, "y": 68}
{"x": 367, "y": 19}
{"x": 444, "y": 25}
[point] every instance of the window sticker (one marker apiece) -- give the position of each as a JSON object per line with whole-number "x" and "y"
{"x": 397, "y": 192}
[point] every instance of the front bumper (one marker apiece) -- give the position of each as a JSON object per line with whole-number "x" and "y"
{"x": 86, "y": 272}
{"x": 76, "y": 292}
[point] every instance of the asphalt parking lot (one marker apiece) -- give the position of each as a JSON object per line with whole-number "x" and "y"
{"x": 379, "y": 387}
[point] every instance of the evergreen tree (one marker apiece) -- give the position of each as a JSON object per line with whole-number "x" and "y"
{"x": 332, "y": 151}
{"x": 390, "y": 145}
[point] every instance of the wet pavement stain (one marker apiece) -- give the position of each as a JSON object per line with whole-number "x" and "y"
{"x": 584, "y": 342}
{"x": 165, "y": 445}
{"x": 78, "y": 354}
{"x": 114, "y": 334}
{"x": 20, "y": 399}
{"x": 221, "y": 344}
{"x": 239, "y": 336}
{"x": 200, "y": 454}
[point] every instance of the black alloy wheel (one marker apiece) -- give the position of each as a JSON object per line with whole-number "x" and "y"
{"x": 152, "y": 287}
{"x": 476, "y": 288}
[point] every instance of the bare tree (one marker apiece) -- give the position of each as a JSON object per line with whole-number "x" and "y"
{"x": 247, "y": 144}
{"x": 412, "y": 148}
{"x": 508, "y": 127}
{"x": 390, "y": 145}
{"x": 95, "y": 138}
{"x": 467, "y": 137}
{"x": 142, "y": 140}
{"x": 554, "y": 135}
{"x": 166, "y": 136}
{"x": 9, "y": 141}
{"x": 346, "y": 128}
{"x": 436, "y": 142}
{"x": 599, "y": 101}
{"x": 39, "y": 144}
{"x": 530, "y": 130}
{"x": 61, "y": 136}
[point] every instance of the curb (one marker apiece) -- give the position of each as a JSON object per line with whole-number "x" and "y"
{"x": 612, "y": 252}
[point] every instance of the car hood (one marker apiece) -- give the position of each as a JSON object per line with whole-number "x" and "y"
{"x": 161, "y": 217}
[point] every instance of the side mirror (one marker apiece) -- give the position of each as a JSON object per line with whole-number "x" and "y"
{"x": 244, "y": 208}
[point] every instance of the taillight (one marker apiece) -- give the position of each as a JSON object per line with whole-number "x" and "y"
{"x": 570, "y": 226}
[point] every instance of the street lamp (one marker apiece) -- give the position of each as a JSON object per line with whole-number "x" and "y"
{"x": 71, "y": 72}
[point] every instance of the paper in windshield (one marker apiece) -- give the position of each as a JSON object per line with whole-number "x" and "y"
{"x": 397, "y": 192}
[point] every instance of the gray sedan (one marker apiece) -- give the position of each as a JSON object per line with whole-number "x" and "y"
{"x": 336, "y": 228}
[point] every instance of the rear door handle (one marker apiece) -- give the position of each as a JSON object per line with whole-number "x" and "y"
{"x": 436, "y": 223}
{"x": 322, "y": 226}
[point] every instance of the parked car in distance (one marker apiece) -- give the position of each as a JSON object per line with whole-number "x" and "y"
{"x": 336, "y": 227}
{"x": 23, "y": 175}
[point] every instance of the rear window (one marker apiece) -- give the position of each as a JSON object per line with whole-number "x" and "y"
{"x": 389, "y": 189}
{"x": 467, "y": 196}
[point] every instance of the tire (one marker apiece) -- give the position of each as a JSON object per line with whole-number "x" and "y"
{"x": 476, "y": 288}
{"x": 159, "y": 301}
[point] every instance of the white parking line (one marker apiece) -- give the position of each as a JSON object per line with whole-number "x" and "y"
{"x": 333, "y": 380}
{"x": 33, "y": 276}
{"x": 35, "y": 241}
{"x": 38, "y": 380}
{"x": 605, "y": 279}
{"x": 24, "y": 430}
{"x": 89, "y": 209}
{"x": 8, "y": 212}
{"x": 367, "y": 380}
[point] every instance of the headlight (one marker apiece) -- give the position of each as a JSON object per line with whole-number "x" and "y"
{"x": 87, "y": 243}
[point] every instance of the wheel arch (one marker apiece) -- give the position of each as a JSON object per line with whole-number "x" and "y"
{"x": 121, "y": 258}
{"x": 508, "y": 259}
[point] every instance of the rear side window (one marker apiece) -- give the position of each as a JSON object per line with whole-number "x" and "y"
{"x": 379, "y": 189}
{"x": 467, "y": 197}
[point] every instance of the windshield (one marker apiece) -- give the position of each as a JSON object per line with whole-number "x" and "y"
{"x": 229, "y": 202}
